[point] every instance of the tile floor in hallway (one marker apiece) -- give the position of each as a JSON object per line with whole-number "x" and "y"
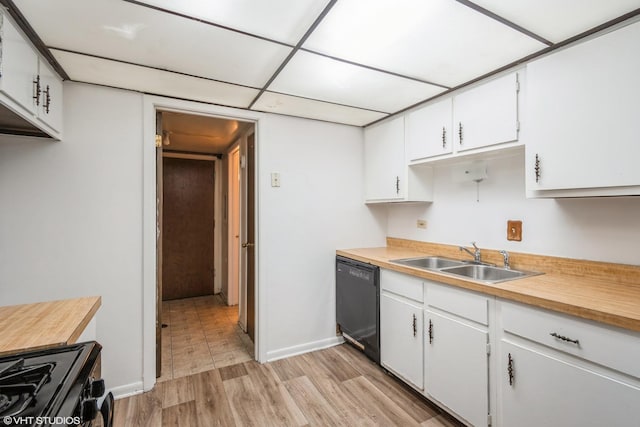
{"x": 202, "y": 333}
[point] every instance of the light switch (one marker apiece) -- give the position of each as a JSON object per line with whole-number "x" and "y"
{"x": 275, "y": 179}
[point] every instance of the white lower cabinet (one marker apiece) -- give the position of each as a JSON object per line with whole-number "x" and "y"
{"x": 539, "y": 388}
{"x": 457, "y": 351}
{"x": 557, "y": 370}
{"x": 456, "y": 367}
{"x": 401, "y": 327}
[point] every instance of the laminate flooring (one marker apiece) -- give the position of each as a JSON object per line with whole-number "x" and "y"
{"x": 337, "y": 386}
{"x": 202, "y": 334}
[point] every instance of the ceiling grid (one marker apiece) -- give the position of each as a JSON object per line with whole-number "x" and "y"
{"x": 347, "y": 61}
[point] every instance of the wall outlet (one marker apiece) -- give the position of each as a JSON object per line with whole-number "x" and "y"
{"x": 514, "y": 230}
{"x": 422, "y": 223}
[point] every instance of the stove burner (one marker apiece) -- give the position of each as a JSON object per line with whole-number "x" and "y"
{"x": 4, "y": 402}
{"x": 19, "y": 385}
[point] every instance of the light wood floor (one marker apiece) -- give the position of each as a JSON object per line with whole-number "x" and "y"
{"x": 338, "y": 386}
{"x": 202, "y": 334}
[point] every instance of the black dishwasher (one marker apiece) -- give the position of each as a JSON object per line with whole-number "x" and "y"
{"x": 358, "y": 304}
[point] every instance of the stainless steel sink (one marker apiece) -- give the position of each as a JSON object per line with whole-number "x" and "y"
{"x": 487, "y": 273}
{"x": 429, "y": 263}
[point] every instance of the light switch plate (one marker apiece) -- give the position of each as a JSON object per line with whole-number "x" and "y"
{"x": 275, "y": 179}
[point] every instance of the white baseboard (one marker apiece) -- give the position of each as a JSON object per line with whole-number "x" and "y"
{"x": 127, "y": 390}
{"x": 303, "y": 348}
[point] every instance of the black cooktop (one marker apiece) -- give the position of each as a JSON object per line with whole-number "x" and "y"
{"x": 37, "y": 383}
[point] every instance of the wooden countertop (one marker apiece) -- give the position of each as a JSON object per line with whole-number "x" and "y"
{"x": 607, "y": 293}
{"x": 45, "y": 324}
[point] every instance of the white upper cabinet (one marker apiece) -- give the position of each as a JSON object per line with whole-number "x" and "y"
{"x": 50, "y": 103}
{"x": 28, "y": 85}
{"x": 384, "y": 160}
{"x": 429, "y": 131}
{"x": 19, "y": 67}
{"x": 581, "y": 125}
{"x": 487, "y": 114}
{"x": 387, "y": 176}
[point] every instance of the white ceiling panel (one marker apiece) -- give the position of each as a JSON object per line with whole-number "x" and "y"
{"x": 314, "y": 76}
{"x": 441, "y": 41}
{"x": 119, "y": 30}
{"x": 110, "y": 73}
{"x": 282, "y": 20}
{"x": 302, "y": 107}
{"x": 559, "y": 20}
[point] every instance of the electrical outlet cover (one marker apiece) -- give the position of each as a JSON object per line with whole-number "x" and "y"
{"x": 514, "y": 230}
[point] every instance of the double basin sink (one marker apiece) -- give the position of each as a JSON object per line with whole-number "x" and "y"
{"x": 467, "y": 269}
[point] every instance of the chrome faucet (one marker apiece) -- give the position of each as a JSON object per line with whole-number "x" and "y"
{"x": 475, "y": 254}
{"x": 505, "y": 255}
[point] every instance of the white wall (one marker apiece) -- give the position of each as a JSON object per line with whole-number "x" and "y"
{"x": 318, "y": 208}
{"x": 601, "y": 229}
{"x": 71, "y": 223}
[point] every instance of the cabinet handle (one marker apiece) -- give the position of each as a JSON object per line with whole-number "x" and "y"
{"x": 537, "y": 168}
{"x": 415, "y": 325}
{"x": 47, "y": 100}
{"x": 566, "y": 339}
{"x": 460, "y": 131}
{"x": 510, "y": 370}
{"x": 444, "y": 137}
{"x": 430, "y": 332}
{"x": 37, "y": 90}
{"x": 397, "y": 185}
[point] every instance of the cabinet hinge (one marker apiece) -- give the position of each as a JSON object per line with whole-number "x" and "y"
{"x": 488, "y": 348}
{"x": 488, "y": 419}
{"x": 517, "y": 125}
{"x": 517, "y": 83}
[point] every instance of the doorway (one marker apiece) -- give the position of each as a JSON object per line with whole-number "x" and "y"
{"x": 195, "y": 253}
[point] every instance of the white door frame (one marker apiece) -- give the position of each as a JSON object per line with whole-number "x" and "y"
{"x": 150, "y": 104}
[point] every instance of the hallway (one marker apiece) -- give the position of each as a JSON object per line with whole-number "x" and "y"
{"x": 202, "y": 333}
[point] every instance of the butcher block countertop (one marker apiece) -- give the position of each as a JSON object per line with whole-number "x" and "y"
{"x": 603, "y": 292}
{"x": 45, "y": 324}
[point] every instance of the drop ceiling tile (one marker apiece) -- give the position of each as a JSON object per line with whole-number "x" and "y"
{"x": 282, "y": 20}
{"x": 559, "y": 20}
{"x": 111, "y": 73}
{"x": 440, "y": 41}
{"x": 137, "y": 34}
{"x": 294, "y": 106}
{"x": 313, "y": 76}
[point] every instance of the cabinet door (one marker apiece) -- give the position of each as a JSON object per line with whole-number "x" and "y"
{"x": 487, "y": 114}
{"x": 19, "y": 66}
{"x": 401, "y": 338}
{"x": 429, "y": 131}
{"x": 547, "y": 391}
{"x": 385, "y": 168}
{"x": 50, "y": 108}
{"x": 581, "y": 115}
{"x": 456, "y": 367}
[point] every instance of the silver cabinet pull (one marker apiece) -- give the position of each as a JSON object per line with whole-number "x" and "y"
{"x": 536, "y": 168}
{"x": 47, "y": 100}
{"x": 565, "y": 339}
{"x": 460, "y": 131}
{"x": 510, "y": 370}
{"x": 444, "y": 137}
{"x": 397, "y": 185}
{"x": 37, "y": 90}
{"x": 430, "y": 332}
{"x": 415, "y": 325}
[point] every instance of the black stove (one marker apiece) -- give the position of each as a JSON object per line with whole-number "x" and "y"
{"x": 54, "y": 387}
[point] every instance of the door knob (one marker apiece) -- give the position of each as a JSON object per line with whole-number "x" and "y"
{"x": 247, "y": 245}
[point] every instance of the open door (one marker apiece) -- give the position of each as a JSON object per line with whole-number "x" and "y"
{"x": 159, "y": 202}
{"x": 249, "y": 244}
